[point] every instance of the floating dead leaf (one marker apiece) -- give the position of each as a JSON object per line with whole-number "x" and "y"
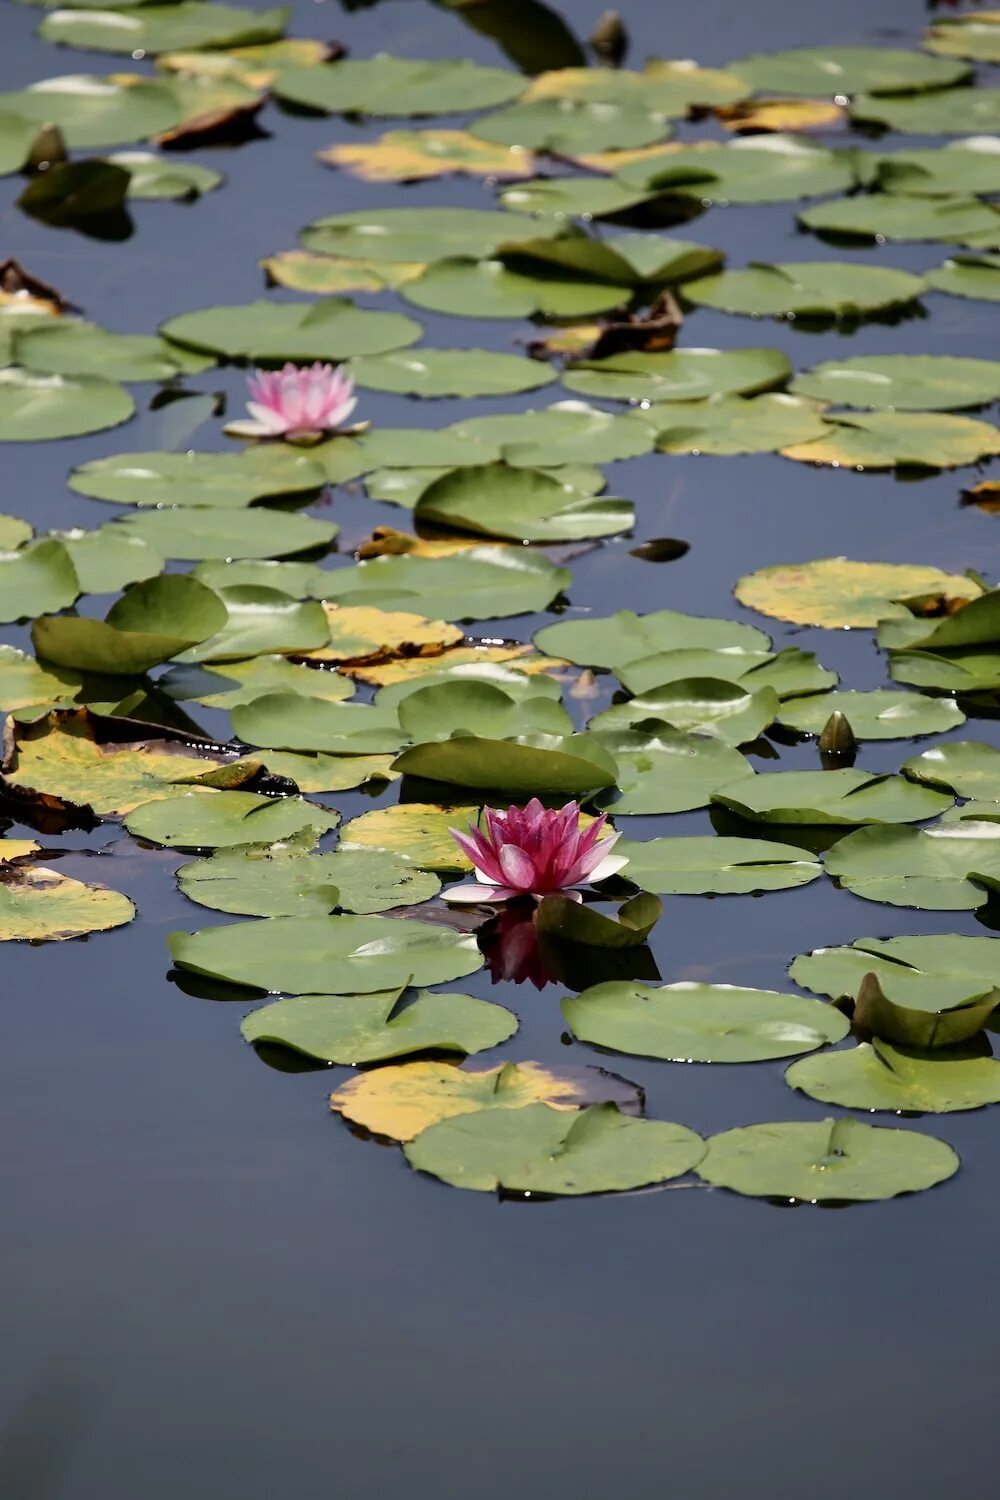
{"x": 78, "y": 765}
{"x": 11, "y": 849}
{"x": 361, "y": 633}
{"x": 415, "y": 155}
{"x": 256, "y": 66}
{"x": 402, "y": 1100}
{"x": 40, "y": 905}
{"x": 838, "y": 593}
{"x": 406, "y": 669}
{"x": 386, "y": 541}
{"x": 303, "y": 271}
{"x": 986, "y": 495}
{"x": 755, "y": 116}
{"x": 47, "y": 150}
{"x": 654, "y": 330}
{"x": 613, "y": 161}
{"x": 661, "y": 549}
{"x": 225, "y": 126}
{"x": 572, "y": 342}
{"x": 19, "y": 287}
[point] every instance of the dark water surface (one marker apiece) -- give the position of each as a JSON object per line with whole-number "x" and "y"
{"x": 211, "y": 1290}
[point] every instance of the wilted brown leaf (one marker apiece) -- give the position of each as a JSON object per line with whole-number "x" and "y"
{"x": 755, "y": 116}
{"x": 415, "y": 155}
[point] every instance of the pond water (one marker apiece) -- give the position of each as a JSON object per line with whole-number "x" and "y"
{"x": 212, "y": 1288}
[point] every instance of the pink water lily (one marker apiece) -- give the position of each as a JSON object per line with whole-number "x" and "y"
{"x": 531, "y": 851}
{"x": 298, "y": 400}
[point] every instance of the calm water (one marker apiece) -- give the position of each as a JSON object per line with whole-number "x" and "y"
{"x": 211, "y": 1289}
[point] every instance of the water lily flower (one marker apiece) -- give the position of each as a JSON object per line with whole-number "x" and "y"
{"x": 532, "y": 851}
{"x": 298, "y": 400}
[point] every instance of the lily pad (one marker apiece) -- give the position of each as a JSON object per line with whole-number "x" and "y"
{"x": 624, "y": 637}
{"x": 568, "y": 432}
{"x": 279, "y": 880}
{"x": 288, "y": 721}
{"x": 973, "y": 36}
{"x": 846, "y": 70}
{"x": 159, "y": 178}
{"x": 519, "y": 504}
{"x": 756, "y": 169}
{"x": 273, "y": 332}
{"x": 480, "y": 584}
{"x": 972, "y": 276}
{"x": 892, "y": 216}
{"x": 903, "y": 382}
{"x": 418, "y": 830}
{"x": 879, "y": 715}
{"x": 947, "y": 867}
{"x": 727, "y": 711}
{"x": 300, "y": 954}
{"x": 91, "y": 111}
{"x": 541, "y": 1150}
{"x": 878, "y": 1076}
{"x": 16, "y": 137}
{"x": 35, "y": 406}
{"x": 418, "y": 234}
{"x": 791, "y": 673}
{"x": 39, "y": 905}
{"x": 679, "y": 375}
{"x": 836, "y": 592}
{"x": 844, "y": 798}
{"x": 223, "y": 480}
{"x": 450, "y": 372}
{"x": 563, "y": 920}
{"x": 562, "y": 198}
{"x": 976, "y": 623}
{"x": 440, "y": 710}
{"x": 528, "y": 764}
{"x": 192, "y": 533}
{"x": 105, "y": 561}
{"x": 40, "y": 576}
{"x": 490, "y": 288}
{"x": 148, "y": 29}
{"x": 968, "y": 167}
{"x": 962, "y": 111}
{"x": 967, "y": 768}
{"x": 941, "y": 1021}
{"x": 668, "y": 86}
{"x": 709, "y": 865}
{"x": 224, "y": 820}
{"x": 929, "y": 974}
{"x": 831, "y": 1160}
{"x": 806, "y": 289}
{"x": 707, "y": 1023}
{"x": 234, "y": 682}
{"x": 70, "y": 346}
{"x": 260, "y": 621}
{"x": 572, "y": 126}
{"x": 358, "y": 1029}
{"x": 739, "y": 424}
{"x": 418, "y": 155}
{"x": 151, "y": 622}
{"x": 386, "y": 86}
{"x": 665, "y": 771}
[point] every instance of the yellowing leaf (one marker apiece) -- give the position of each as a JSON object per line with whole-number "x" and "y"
{"x": 257, "y": 66}
{"x": 613, "y": 161}
{"x": 303, "y": 271}
{"x": 417, "y": 829}
{"x": 986, "y": 495}
{"x": 359, "y": 632}
{"x": 836, "y": 592}
{"x": 64, "y": 763}
{"x": 385, "y": 540}
{"x": 405, "y": 669}
{"x": 11, "y": 849}
{"x": 781, "y": 115}
{"x": 38, "y": 904}
{"x": 414, "y": 155}
{"x": 402, "y": 1100}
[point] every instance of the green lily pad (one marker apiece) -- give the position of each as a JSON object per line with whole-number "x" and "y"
{"x": 151, "y": 622}
{"x": 39, "y": 905}
{"x": 288, "y": 721}
{"x": 327, "y": 773}
{"x": 70, "y": 346}
{"x": 844, "y": 798}
{"x": 263, "y": 620}
{"x": 530, "y": 764}
{"x": 386, "y": 86}
{"x": 624, "y": 637}
{"x": 879, "y": 715}
{"x": 439, "y": 710}
{"x": 975, "y": 276}
{"x": 273, "y": 332}
{"x": 358, "y": 1029}
{"x": 492, "y": 289}
{"x": 738, "y": 424}
{"x": 450, "y": 372}
{"x": 903, "y": 382}
{"x": 962, "y": 111}
{"x": 892, "y": 216}
{"x": 933, "y": 869}
{"x": 71, "y": 194}
{"x": 161, "y": 178}
{"x": 238, "y": 682}
{"x": 191, "y": 533}
{"x": 791, "y": 673}
{"x": 139, "y": 29}
{"x": 224, "y": 820}
{"x": 931, "y": 974}
{"x": 727, "y": 711}
{"x": 39, "y": 577}
{"x": 301, "y": 580}
{"x": 299, "y": 954}
{"x": 224, "y": 480}
{"x": 806, "y": 289}
{"x": 418, "y": 234}
{"x": 568, "y": 432}
{"x": 562, "y": 198}
{"x": 515, "y": 683}
{"x": 846, "y": 70}
{"x": 940, "y": 1021}
{"x": 665, "y": 771}
{"x": 838, "y": 1160}
{"x": 480, "y": 584}
{"x": 92, "y": 111}
{"x": 967, "y": 768}
{"x": 518, "y": 504}
{"x": 878, "y": 1076}
{"x": 750, "y": 169}
{"x": 34, "y": 406}
{"x": 541, "y": 1150}
{"x": 105, "y": 561}
{"x": 969, "y": 167}
{"x": 707, "y": 1023}
{"x": 16, "y": 137}
{"x": 680, "y": 375}
{"x": 971, "y": 36}
{"x": 572, "y": 126}
{"x": 564, "y": 920}
{"x": 279, "y": 880}
{"x": 668, "y": 86}
{"x": 709, "y": 865}
{"x": 13, "y": 533}
{"x": 405, "y": 486}
{"x": 836, "y": 592}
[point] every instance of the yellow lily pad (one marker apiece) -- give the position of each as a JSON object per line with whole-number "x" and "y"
{"x": 360, "y": 632}
{"x": 304, "y": 271}
{"x": 790, "y": 115}
{"x": 406, "y": 668}
{"x": 256, "y": 66}
{"x": 386, "y": 541}
{"x": 402, "y": 1100}
{"x": 39, "y": 905}
{"x": 417, "y": 829}
{"x": 836, "y": 592}
{"x": 415, "y": 155}
{"x": 11, "y": 849}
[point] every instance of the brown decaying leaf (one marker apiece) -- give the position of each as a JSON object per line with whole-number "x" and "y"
{"x": 985, "y": 494}
{"x": 418, "y": 155}
{"x": 402, "y": 669}
{"x": 19, "y": 286}
{"x": 757, "y": 116}
{"x": 652, "y": 331}
{"x": 387, "y": 541}
{"x": 217, "y": 127}
{"x": 360, "y": 633}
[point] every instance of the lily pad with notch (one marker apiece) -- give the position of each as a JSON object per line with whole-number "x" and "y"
{"x": 703, "y": 865}
{"x": 225, "y": 820}
{"x": 879, "y": 1076}
{"x": 842, "y": 798}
